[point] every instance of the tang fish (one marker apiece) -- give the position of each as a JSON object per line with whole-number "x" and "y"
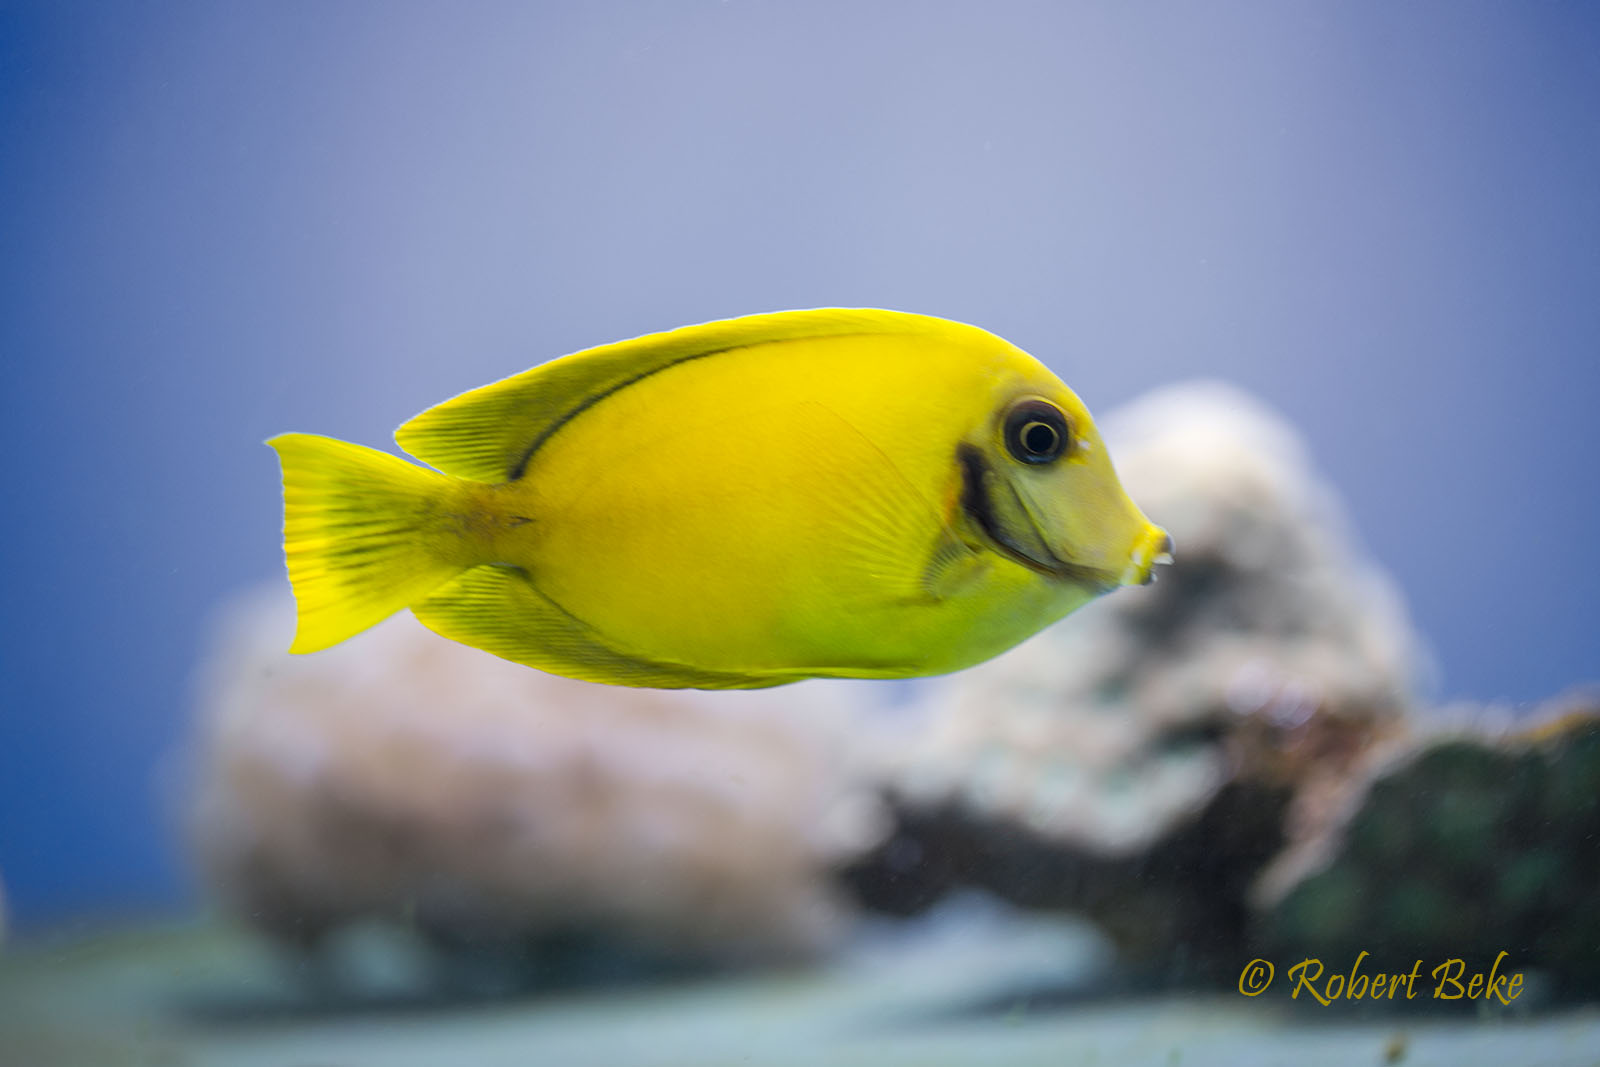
{"x": 848, "y": 493}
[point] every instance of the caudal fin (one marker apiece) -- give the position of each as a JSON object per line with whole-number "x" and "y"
{"x": 360, "y": 533}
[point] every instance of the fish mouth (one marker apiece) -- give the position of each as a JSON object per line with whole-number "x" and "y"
{"x": 1005, "y": 519}
{"x": 1155, "y": 549}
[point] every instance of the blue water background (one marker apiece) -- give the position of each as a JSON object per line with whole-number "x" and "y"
{"x": 222, "y": 221}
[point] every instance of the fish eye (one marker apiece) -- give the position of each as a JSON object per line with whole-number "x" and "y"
{"x": 1036, "y": 432}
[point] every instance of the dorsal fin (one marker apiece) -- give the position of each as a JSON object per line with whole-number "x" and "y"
{"x": 489, "y": 434}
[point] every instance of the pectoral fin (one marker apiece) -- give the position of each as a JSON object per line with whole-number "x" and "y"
{"x": 889, "y": 534}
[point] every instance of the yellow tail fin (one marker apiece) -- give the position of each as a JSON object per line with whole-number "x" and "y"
{"x": 360, "y": 533}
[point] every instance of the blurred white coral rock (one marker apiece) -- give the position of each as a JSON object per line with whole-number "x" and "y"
{"x": 400, "y": 775}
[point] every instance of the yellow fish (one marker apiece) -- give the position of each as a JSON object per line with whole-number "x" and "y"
{"x": 848, "y": 493}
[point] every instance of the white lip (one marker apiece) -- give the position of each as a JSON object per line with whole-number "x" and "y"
{"x": 1136, "y": 568}
{"x": 1141, "y": 566}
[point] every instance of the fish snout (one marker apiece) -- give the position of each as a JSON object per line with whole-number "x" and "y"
{"x": 1154, "y": 549}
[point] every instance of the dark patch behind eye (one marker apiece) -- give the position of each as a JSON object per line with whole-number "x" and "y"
{"x": 975, "y": 501}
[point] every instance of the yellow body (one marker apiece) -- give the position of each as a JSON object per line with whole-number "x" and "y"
{"x": 819, "y": 493}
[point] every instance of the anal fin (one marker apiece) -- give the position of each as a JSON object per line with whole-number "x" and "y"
{"x": 498, "y": 609}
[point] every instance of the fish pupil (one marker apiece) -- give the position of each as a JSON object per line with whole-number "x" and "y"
{"x": 1039, "y": 438}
